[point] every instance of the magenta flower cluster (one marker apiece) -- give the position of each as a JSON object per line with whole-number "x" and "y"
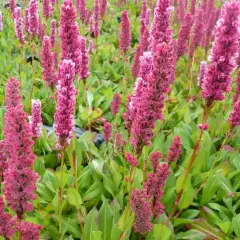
{"x": 125, "y": 32}
{"x": 115, "y": 105}
{"x": 18, "y": 24}
{"x": 175, "y": 150}
{"x": 33, "y": 18}
{"x": 84, "y": 71}
{"x": 36, "y": 119}
{"x": 107, "y": 131}
{"x": 131, "y": 159}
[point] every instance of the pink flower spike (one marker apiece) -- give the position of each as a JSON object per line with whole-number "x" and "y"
{"x": 47, "y": 61}
{"x": 64, "y": 115}
{"x": 116, "y": 102}
{"x": 125, "y": 32}
{"x": 131, "y": 159}
{"x": 29, "y": 231}
{"x": 142, "y": 209}
{"x": 13, "y": 97}
{"x": 84, "y": 73}
{"x": 81, "y": 7}
{"x": 234, "y": 118}
{"x": 53, "y": 32}
{"x": 47, "y": 8}
{"x": 107, "y": 131}
{"x": 36, "y": 119}
{"x": 224, "y": 53}
{"x": 155, "y": 160}
{"x": 18, "y": 25}
{"x": 103, "y": 8}
{"x": 96, "y": 17}
{"x": 26, "y": 20}
{"x": 33, "y": 18}
{"x": 203, "y": 68}
{"x": 175, "y": 150}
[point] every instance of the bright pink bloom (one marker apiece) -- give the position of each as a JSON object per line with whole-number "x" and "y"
{"x": 234, "y": 118}
{"x": 136, "y": 61}
{"x": 131, "y": 159}
{"x": 143, "y": 14}
{"x": 154, "y": 187}
{"x": 203, "y": 68}
{"x": 13, "y": 97}
{"x": 47, "y": 61}
{"x": 26, "y": 20}
{"x": 47, "y": 8}
{"x": 223, "y": 54}
{"x": 184, "y": 34}
{"x": 12, "y": 6}
{"x": 36, "y": 119}
{"x": 53, "y": 32}
{"x": 175, "y": 150}
{"x": 1, "y": 22}
{"x": 203, "y": 127}
{"x": 18, "y": 24}
{"x": 107, "y": 131}
{"x": 197, "y": 32}
{"x": 29, "y": 231}
{"x": 193, "y": 7}
{"x": 64, "y": 115}
{"x": 33, "y": 18}
{"x": 81, "y": 7}
{"x": 69, "y": 35}
{"x": 96, "y": 18}
{"x": 116, "y": 102}
{"x": 125, "y": 32}
{"x": 142, "y": 209}
{"x": 155, "y": 160}
{"x": 84, "y": 73}
{"x": 103, "y": 8}
{"x": 7, "y": 224}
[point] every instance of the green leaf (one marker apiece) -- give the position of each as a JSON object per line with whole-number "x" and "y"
{"x": 192, "y": 234}
{"x": 74, "y": 197}
{"x": 105, "y": 220}
{"x": 210, "y": 188}
{"x": 159, "y": 232}
{"x": 91, "y": 224}
{"x": 236, "y": 224}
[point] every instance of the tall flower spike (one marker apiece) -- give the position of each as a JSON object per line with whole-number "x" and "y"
{"x": 7, "y": 224}
{"x": 69, "y": 35}
{"x": 36, "y": 119}
{"x": 26, "y": 20}
{"x": 155, "y": 160}
{"x": 175, "y": 150}
{"x": 1, "y": 22}
{"x": 142, "y": 209}
{"x": 47, "y": 61}
{"x": 103, "y": 8}
{"x": 223, "y": 56}
{"x": 53, "y": 32}
{"x": 33, "y": 18}
{"x": 116, "y": 102}
{"x": 12, "y": 5}
{"x": 197, "y": 32}
{"x": 184, "y": 34}
{"x": 84, "y": 73}
{"x": 107, "y": 131}
{"x": 143, "y": 10}
{"x": 18, "y": 25}
{"x": 125, "y": 32}
{"x": 203, "y": 68}
{"x": 64, "y": 115}
{"x": 47, "y": 8}
{"x": 131, "y": 160}
{"x": 136, "y": 61}
{"x": 12, "y": 94}
{"x": 193, "y": 6}
{"x": 234, "y": 118}
{"x": 96, "y": 18}
{"x": 81, "y": 7}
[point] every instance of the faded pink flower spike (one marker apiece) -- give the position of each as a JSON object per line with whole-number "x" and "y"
{"x": 116, "y": 102}
{"x": 155, "y": 160}
{"x": 1, "y": 22}
{"x": 18, "y": 25}
{"x": 184, "y": 34}
{"x": 96, "y": 17}
{"x": 64, "y": 115}
{"x": 81, "y": 7}
{"x": 47, "y": 61}
{"x": 131, "y": 159}
{"x": 84, "y": 73}
{"x": 203, "y": 68}
{"x": 142, "y": 209}
{"x": 107, "y": 131}
{"x": 7, "y": 224}
{"x": 223, "y": 56}
{"x": 33, "y": 18}
{"x": 12, "y": 94}
{"x": 36, "y": 119}
{"x": 125, "y": 32}
{"x": 234, "y": 118}
{"x": 29, "y": 231}
{"x": 175, "y": 150}
{"x": 103, "y": 8}
{"x": 197, "y": 32}
{"x": 69, "y": 35}
{"x": 53, "y": 32}
{"x": 47, "y": 8}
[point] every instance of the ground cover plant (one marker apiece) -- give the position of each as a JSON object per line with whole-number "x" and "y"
{"x": 119, "y": 119}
